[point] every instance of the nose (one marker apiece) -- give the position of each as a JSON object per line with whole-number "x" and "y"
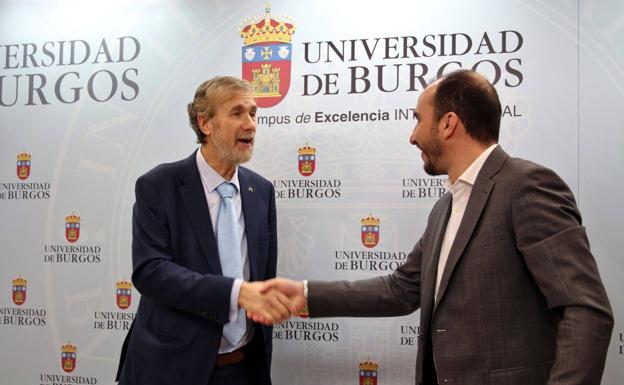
{"x": 412, "y": 138}
{"x": 250, "y": 122}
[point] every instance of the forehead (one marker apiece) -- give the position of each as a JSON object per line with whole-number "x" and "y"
{"x": 426, "y": 98}
{"x": 235, "y": 99}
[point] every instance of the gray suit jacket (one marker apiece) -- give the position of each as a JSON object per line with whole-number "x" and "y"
{"x": 520, "y": 300}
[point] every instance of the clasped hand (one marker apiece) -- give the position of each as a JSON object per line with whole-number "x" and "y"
{"x": 272, "y": 301}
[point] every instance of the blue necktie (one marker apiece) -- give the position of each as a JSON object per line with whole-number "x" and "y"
{"x": 229, "y": 245}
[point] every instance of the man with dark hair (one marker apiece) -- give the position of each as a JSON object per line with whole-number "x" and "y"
{"x": 508, "y": 290}
{"x": 203, "y": 228}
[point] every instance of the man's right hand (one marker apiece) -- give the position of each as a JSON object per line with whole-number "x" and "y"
{"x": 268, "y": 305}
{"x": 291, "y": 291}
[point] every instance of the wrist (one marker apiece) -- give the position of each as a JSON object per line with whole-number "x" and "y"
{"x": 242, "y": 293}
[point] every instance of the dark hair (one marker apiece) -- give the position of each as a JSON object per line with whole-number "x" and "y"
{"x": 209, "y": 95}
{"x": 474, "y": 99}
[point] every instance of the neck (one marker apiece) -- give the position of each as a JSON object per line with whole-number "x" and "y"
{"x": 463, "y": 157}
{"x": 225, "y": 169}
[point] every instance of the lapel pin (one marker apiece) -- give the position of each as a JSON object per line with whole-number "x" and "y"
{"x": 250, "y": 189}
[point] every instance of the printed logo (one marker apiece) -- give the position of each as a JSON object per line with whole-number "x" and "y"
{"x": 23, "y": 165}
{"x": 124, "y": 294}
{"x": 72, "y": 228}
{"x": 68, "y": 358}
{"x": 117, "y": 320}
{"x": 304, "y": 313}
{"x": 370, "y": 231}
{"x": 72, "y": 252}
{"x": 368, "y": 372}
{"x": 266, "y": 57}
{"x": 307, "y": 160}
{"x": 307, "y": 331}
{"x": 19, "y": 291}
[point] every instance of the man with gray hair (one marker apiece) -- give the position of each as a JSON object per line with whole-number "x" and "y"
{"x": 204, "y": 229}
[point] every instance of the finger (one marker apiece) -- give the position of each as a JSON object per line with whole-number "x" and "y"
{"x": 267, "y": 317}
{"x": 289, "y": 303}
{"x": 268, "y": 285}
{"x": 261, "y": 320}
{"x": 279, "y": 310}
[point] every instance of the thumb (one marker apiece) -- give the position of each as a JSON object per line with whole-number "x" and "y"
{"x": 266, "y": 286}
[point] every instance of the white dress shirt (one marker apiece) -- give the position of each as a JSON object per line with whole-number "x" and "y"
{"x": 210, "y": 180}
{"x": 460, "y": 190}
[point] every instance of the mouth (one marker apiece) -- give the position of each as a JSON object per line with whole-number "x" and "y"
{"x": 246, "y": 142}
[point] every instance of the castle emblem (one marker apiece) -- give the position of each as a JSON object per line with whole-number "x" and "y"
{"x": 124, "y": 294}
{"x": 19, "y": 291}
{"x": 266, "y": 56}
{"x": 307, "y": 160}
{"x": 72, "y": 228}
{"x": 370, "y": 231}
{"x": 68, "y": 358}
{"x": 23, "y": 165}
{"x": 368, "y": 372}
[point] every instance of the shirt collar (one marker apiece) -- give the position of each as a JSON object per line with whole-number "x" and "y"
{"x": 470, "y": 174}
{"x": 210, "y": 177}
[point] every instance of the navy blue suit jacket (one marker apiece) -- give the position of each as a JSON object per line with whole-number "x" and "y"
{"x": 185, "y": 299}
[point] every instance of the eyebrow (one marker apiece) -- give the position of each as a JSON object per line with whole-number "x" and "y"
{"x": 241, "y": 106}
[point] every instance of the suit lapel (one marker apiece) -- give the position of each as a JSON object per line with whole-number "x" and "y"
{"x": 248, "y": 197}
{"x": 476, "y": 203}
{"x": 194, "y": 199}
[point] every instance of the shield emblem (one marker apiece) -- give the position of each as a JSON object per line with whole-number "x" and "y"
{"x": 368, "y": 373}
{"x": 23, "y": 165}
{"x": 72, "y": 228}
{"x": 303, "y": 313}
{"x": 370, "y": 231}
{"x": 19, "y": 291}
{"x": 124, "y": 298}
{"x": 68, "y": 358}
{"x": 370, "y": 236}
{"x": 368, "y": 377}
{"x": 266, "y": 57}
{"x": 307, "y": 164}
{"x": 124, "y": 294}
{"x": 307, "y": 160}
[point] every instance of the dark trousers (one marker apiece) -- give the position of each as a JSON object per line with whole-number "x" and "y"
{"x": 252, "y": 370}
{"x": 241, "y": 373}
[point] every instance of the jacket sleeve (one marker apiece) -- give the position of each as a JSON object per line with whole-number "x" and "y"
{"x": 155, "y": 272}
{"x": 555, "y": 248}
{"x": 391, "y": 295}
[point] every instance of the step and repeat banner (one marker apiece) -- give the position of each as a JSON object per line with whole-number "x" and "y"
{"x": 94, "y": 94}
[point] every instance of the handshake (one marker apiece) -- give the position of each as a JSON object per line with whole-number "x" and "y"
{"x": 272, "y": 301}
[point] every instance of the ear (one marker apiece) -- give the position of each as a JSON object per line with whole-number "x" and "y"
{"x": 205, "y": 125}
{"x": 448, "y": 124}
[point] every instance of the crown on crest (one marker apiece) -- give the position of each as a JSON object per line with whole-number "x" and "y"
{"x": 368, "y": 365}
{"x": 267, "y": 28}
{"x": 69, "y": 348}
{"x": 370, "y": 221}
{"x": 19, "y": 282}
{"x": 72, "y": 218}
{"x": 124, "y": 285}
{"x": 306, "y": 150}
{"x": 23, "y": 156}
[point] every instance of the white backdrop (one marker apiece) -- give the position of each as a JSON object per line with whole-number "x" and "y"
{"x": 96, "y": 93}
